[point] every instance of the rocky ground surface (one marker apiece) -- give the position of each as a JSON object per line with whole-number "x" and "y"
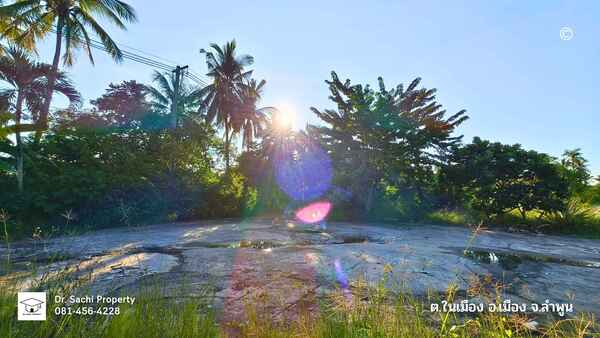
{"x": 287, "y": 265}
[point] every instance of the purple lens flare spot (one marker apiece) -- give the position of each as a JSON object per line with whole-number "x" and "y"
{"x": 305, "y": 173}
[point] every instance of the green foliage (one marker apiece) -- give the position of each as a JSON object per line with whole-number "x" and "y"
{"x": 122, "y": 105}
{"x": 592, "y": 194}
{"x": 255, "y": 164}
{"x": 495, "y": 178}
{"x": 115, "y": 177}
{"x": 170, "y": 90}
{"x": 449, "y": 217}
{"x": 27, "y": 22}
{"x": 230, "y": 100}
{"x": 575, "y": 170}
{"x": 226, "y": 198}
{"x": 577, "y": 218}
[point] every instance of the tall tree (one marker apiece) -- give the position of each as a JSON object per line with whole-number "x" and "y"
{"x": 221, "y": 98}
{"x": 167, "y": 93}
{"x": 25, "y": 22}
{"x": 398, "y": 135}
{"x": 248, "y": 118}
{"x": 28, "y": 81}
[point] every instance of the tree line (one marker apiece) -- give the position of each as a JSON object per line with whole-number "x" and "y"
{"x": 166, "y": 150}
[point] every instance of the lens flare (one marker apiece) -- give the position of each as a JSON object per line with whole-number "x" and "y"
{"x": 305, "y": 173}
{"x": 342, "y": 279}
{"x": 314, "y": 212}
{"x": 340, "y": 274}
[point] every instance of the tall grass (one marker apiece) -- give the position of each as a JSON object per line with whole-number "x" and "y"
{"x": 577, "y": 218}
{"x": 371, "y": 311}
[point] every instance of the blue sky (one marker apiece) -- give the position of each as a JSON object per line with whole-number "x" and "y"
{"x": 503, "y": 61}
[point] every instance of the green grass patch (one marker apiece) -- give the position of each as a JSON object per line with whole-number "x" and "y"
{"x": 371, "y": 311}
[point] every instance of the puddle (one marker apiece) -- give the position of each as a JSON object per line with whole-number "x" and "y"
{"x": 506, "y": 261}
{"x": 511, "y": 260}
{"x": 306, "y": 230}
{"x": 353, "y": 239}
{"x": 253, "y": 244}
{"x": 326, "y": 239}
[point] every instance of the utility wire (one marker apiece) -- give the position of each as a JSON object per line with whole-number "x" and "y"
{"x": 141, "y": 59}
{"x": 195, "y": 78}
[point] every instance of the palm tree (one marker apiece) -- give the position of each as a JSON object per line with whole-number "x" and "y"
{"x": 248, "y": 119}
{"x": 164, "y": 95}
{"x": 25, "y": 22}
{"x": 577, "y": 171}
{"x": 573, "y": 159}
{"x": 221, "y": 98}
{"x": 28, "y": 82}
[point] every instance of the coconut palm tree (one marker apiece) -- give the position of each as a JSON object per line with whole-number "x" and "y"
{"x": 164, "y": 94}
{"x": 248, "y": 119}
{"x": 28, "y": 81}
{"x": 574, "y": 158}
{"x": 221, "y": 98}
{"x": 25, "y": 22}
{"x": 576, "y": 170}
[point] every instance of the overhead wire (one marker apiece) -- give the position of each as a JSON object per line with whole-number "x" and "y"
{"x": 128, "y": 55}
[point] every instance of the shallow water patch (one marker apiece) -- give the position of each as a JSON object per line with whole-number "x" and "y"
{"x": 511, "y": 260}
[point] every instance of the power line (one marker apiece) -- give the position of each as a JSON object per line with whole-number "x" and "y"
{"x": 128, "y": 55}
{"x": 147, "y": 53}
{"x": 190, "y": 75}
{"x": 137, "y": 58}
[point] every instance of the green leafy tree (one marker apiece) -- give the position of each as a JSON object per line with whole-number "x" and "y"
{"x": 123, "y": 103}
{"x": 397, "y": 135}
{"x": 27, "y": 80}
{"x": 221, "y": 98}
{"x": 497, "y": 178}
{"x": 25, "y": 22}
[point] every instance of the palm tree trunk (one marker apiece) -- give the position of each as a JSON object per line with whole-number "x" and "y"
{"x": 227, "y": 147}
{"x": 19, "y": 153}
{"x": 43, "y": 119}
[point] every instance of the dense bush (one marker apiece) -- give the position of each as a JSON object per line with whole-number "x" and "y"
{"x": 111, "y": 177}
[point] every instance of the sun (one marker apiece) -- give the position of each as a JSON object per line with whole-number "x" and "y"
{"x": 285, "y": 117}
